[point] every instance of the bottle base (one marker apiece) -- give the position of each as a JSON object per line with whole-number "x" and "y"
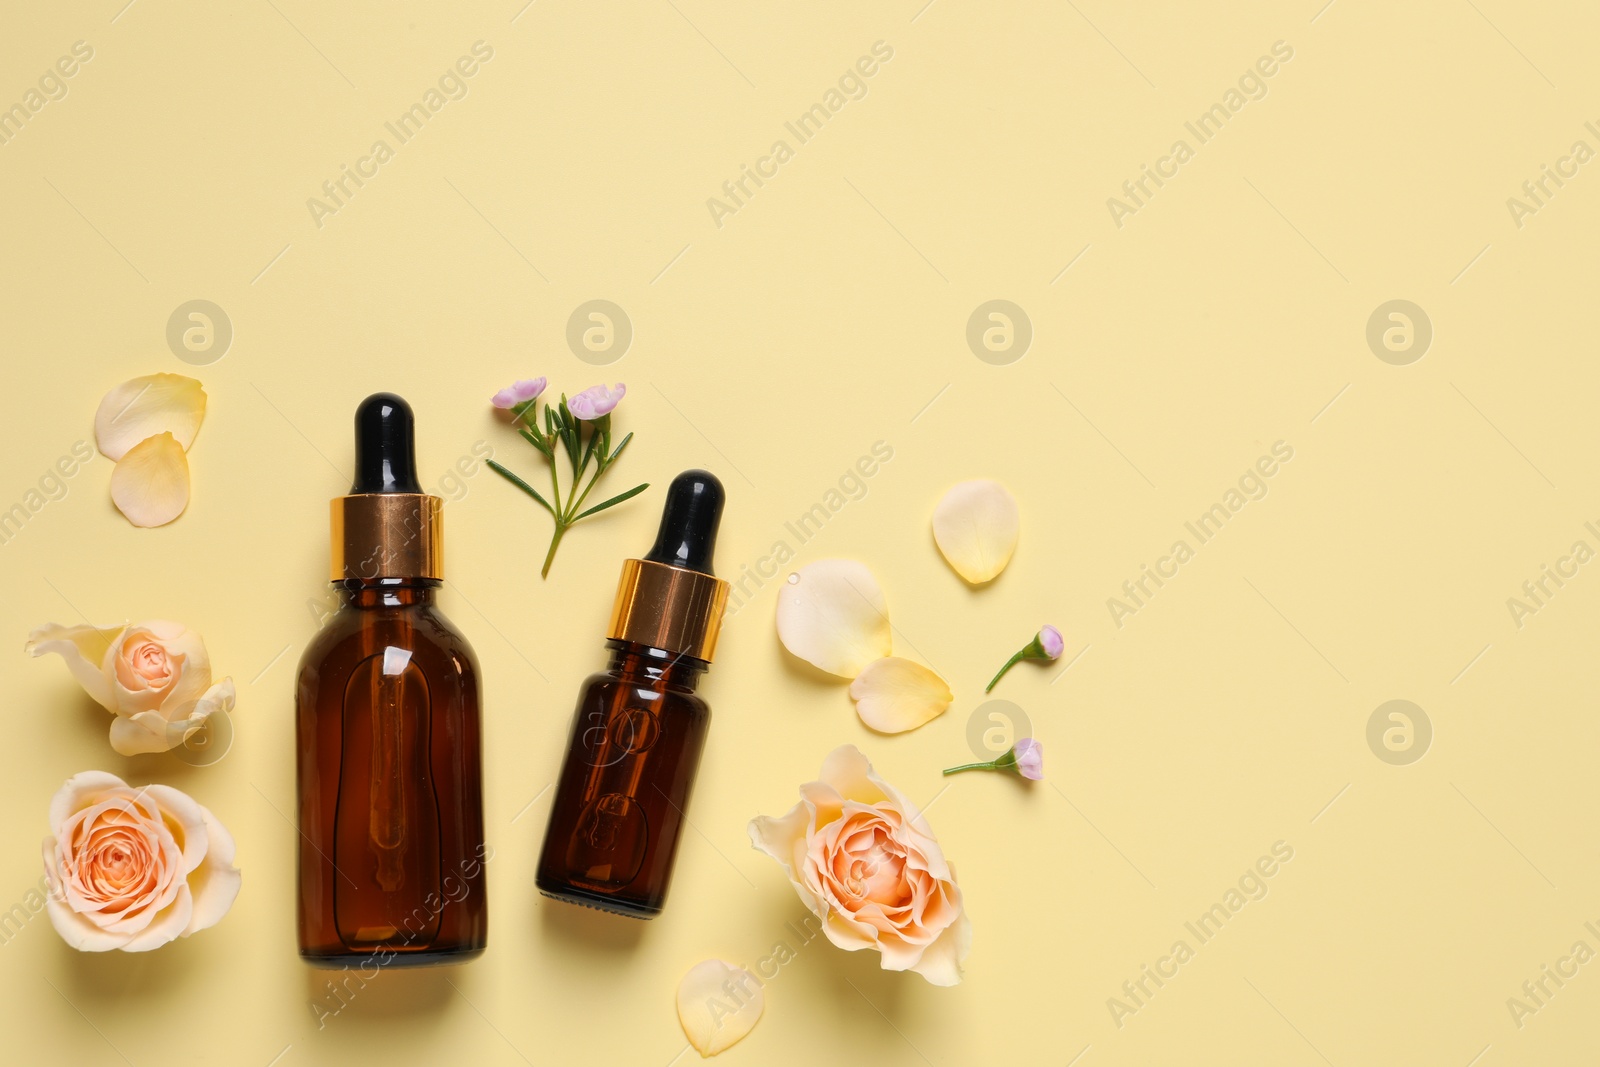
{"x": 424, "y": 958}
{"x": 599, "y": 902}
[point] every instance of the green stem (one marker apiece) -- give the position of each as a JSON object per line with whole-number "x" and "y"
{"x": 585, "y": 495}
{"x": 989, "y": 766}
{"x": 1012, "y": 662}
{"x": 551, "y": 555}
{"x": 555, "y": 490}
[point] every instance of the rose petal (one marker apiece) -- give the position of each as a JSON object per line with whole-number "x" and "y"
{"x": 143, "y": 407}
{"x": 146, "y": 731}
{"x": 893, "y": 695}
{"x": 186, "y": 819}
{"x": 75, "y": 929}
{"x": 150, "y": 484}
{"x": 215, "y": 883}
{"x": 84, "y": 648}
{"x": 718, "y": 1004}
{"x": 82, "y": 790}
{"x": 784, "y": 839}
{"x": 941, "y": 961}
{"x": 832, "y": 614}
{"x": 185, "y": 648}
{"x": 167, "y": 925}
{"x": 976, "y": 526}
{"x": 150, "y": 731}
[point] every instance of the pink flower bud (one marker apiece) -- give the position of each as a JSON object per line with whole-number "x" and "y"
{"x": 1029, "y": 755}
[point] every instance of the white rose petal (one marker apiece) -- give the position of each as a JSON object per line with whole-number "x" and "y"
{"x": 718, "y": 1004}
{"x": 143, "y": 407}
{"x": 150, "y": 484}
{"x": 976, "y": 526}
{"x": 86, "y": 650}
{"x": 832, "y": 614}
{"x": 893, "y": 695}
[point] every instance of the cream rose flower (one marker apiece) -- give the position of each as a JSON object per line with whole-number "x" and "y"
{"x": 155, "y": 677}
{"x": 865, "y": 862}
{"x": 132, "y": 869}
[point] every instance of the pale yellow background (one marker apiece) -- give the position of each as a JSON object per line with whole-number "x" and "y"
{"x": 826, "y": 314}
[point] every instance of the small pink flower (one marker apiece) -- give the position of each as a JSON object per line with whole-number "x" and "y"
{"x": 518, "y": 392}
{"x": 1046, "y": 645}
{"x": 1026, "y": 757}
{"x": 1029, "y": 756}
{"x": 596, "y": 401}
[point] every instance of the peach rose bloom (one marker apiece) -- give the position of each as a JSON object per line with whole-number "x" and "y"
{"x": 155, "y": 677}
{"x": 132, "y": 869}
{"x": 866, "y": 863}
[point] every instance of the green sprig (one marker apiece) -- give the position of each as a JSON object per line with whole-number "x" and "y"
{"x": 586, "y": 444}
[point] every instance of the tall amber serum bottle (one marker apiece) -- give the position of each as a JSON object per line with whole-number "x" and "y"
{"x": 639, "y": 728}
{"x": 389, "y": 763}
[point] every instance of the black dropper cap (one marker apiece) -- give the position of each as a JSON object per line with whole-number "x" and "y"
{"x": 386, "y": 450}
{"x": 689, "y": 521}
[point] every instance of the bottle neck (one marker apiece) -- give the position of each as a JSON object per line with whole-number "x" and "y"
{"x": 386, "y": 592}
{"x": 657, "y": 666}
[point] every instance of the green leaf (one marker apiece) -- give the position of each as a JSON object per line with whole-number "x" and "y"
{"x": 619, "y": 498}
{"x": 569, "y": 434}
{"x": 524, "y": 486}
{"x": 596, "y": 441}
{"x": 613, "y": 457}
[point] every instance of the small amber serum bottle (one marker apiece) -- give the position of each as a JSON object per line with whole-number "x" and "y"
{"x": 392, "y": 854}
{"x": 639, "y": 728}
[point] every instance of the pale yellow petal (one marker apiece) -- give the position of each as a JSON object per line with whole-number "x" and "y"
{"x": 215, "y": 883}
{"x": 143, "y": 407}
{"x": 718, "y": 1004}
{"x": 976, "y": 527}
{"x": 893, "y": 695}
{"x": 85, "y": 649}
{"x": 832, "y": 614}
{"x": 150, "y": 484}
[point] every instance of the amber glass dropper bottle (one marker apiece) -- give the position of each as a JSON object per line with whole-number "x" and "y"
{"x": 392, "y": 853}
{"x": 639, "y": 728}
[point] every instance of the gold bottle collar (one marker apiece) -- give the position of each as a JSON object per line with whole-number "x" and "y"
{"x": 668, "y": 607}
{"x": 387, "y": 535}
